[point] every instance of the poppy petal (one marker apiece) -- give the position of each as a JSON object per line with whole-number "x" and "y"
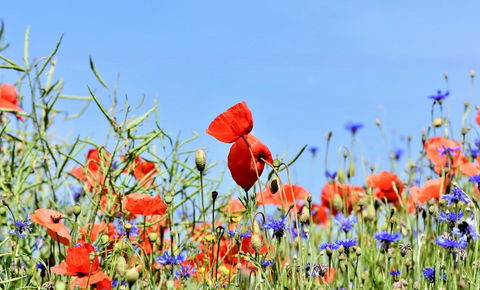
{"x": 232, "y": 124}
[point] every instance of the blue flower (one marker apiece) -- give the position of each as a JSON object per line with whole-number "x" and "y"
{"x": 439, "y": 97}
{"x": 278, "y": 227}
{"x": 166, "y": 259}
{"x": 352, "y": 127}
{"x": 331, "y": 176}
{"x": 184, "y": 272}
{"x": 448, "y": 151}
{"x": 451, "y": 218}
{"x": 40, "y": 266}
{"x": 21, "y": 227}
{"x": 324, "y": 246}
{"x": 473, "y": 153}
{"x": 395, "y": 272}
{"x": 397, "y": 154}
{"x": 313, "y": 150}
{"x": 347, "y": 244}
{"x": 467, "y": 228}
{"x": 76, "y": 192}
{"x": 77, "y": 245}
{"x": 477, "y": 143}
{"x": 266, "y": 263}
{"x": 429, "y": 274}
{"x": 345, "y": 223}
{"x": 240, "y": 233}
{"x": 450, "y": 244}
{"x": 386, "y": 238}
{"x": 295, "y": 233}
{"x": 475, "y": 179}
{"x": 455, "y": 196}
{"x": 115, "y": 282}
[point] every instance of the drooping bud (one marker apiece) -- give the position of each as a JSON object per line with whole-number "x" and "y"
{"x": 256, "y": 243}
{"x": 274, "y": 185}
{"x": 337, "y": 202}
{"x": 351, "y": 170}
{"x": 341, "y": 176}
{"x": 200, "y": 160}
{"x": 255, "y": 228}
{"x": 121, "y": 267}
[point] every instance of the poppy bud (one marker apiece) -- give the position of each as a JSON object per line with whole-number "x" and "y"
{"x": 200, "y": 160}
{"x": 274, "y": 185}
{"x": 276, "y": 163}
{"x": 77, "y": 209}
{"x": 60, "y": 285}
{"x": 337, "y": 202}
{"x": 351, "y": 170}
{"x": 472, "y": 73}
{"x": 304, "y": 215}
{"x": 431, "y": 210}
{"x": 377, "y": 121}
{"x": 2, "y": 210}
{"x": 329, "y": 135}
{"x": 370, "y": 213}
{"x": 121, "y": 267}
{"x": 104, "y": 239}
{"x": 170, "y": 284}
{"x": 152, "y": 237}
{"x": 437, "y": 122}
{"x": 92, "y": 256}
{"x": 341, "y": 176}
{"x": 256, "y": 243}
{"x": 120, "y": 245}
{"x": 445, "y": 74}
{"x": 358, "y": 251}
{"x": 255, "y": 228}
{"x": 132, "y": 276}
{"x": 168, "y": 198}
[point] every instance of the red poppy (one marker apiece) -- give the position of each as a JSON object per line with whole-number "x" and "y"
{"x": 477, "y": 118}
{"x": 144, "y": 204}
{"x": 160, "y": 224}
{"x": 319, "y": 214}
{"x": 241, "y": 164}
{"x": 8, "y": 99}
{"x": 442, "y": 151}
{"x": 470, "y": 169}
{"x": 232, "y": 124}
{"x": 51, "y": 219}
{"x": 97, "y": 229}
{"x": 77, "y": 263}
{"x": 347, "y": 192}
{"x": 383, "y": 183}
{"x": 143, "y": 169}
{"x": 284, "y": 194}
{"x": 93, "y": 173}
{"x": 234, "y": 206}
{"x": 433, "y": 188}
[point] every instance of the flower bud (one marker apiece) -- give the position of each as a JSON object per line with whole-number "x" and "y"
{"x": 170, "y": 284}
{"x": 255, "y": 228}
{"x": 256, "y": 243}
{"x": 337, "y": 202}
{"x": 128, "y": 227}
{"x": 132, "y": 276}
{"x": 371, "y": 213}
{"x": 276, "y": 163}
{"x": 92, "y": 256}
{"x": 2, "y": 210}
{"x": 60, "y": 285}
{"x": 472, "y": 73}
{"x": 77, "y": 209}
{"x": 121, "y": 267}
{"x": 274, "y": 185}
{"x": 168, "y": 199}
{"x": 329, "y": 135}
{"x": 358, "y": 251}
{"x": 153, "y": 237}
{"x": 104, "y": 239}
{"x": 304, "y": 215}
{"x": 445, "y": 74}
{"x": 377, "y": 121}
{"x": 437, "y": 122}
{"x": 200, "y": 160}
{"x": 341, "y": 176}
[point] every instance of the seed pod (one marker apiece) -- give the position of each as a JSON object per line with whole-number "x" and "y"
{"x": 121, "y": 267}
{"x": 77, "y": 209}
{"x": 274, "y": 185}
{"x": 200, "y": 160}
{"x": 256, "y": 243}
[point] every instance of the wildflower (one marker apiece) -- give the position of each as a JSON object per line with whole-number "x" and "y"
{"x": 266, "y": 263}
{"x": 240, "y": 162}
{"x": 232, "y": 124}
{"x": 295, "y": 233}
{"x": 21, "y": 227}
{"x": 405, "y": 249}
{"x": 430, "y": 190}
{"x": 397, "y": 154}
{"x": 475, "y": 179}
{"x": 51, "y": 219}
{"x": 184, "y": 272}
{"x": 347, "y": 244}
{"x": 77, "y": 263}
{"x": 448, "y": 151}
{"x": 76, "y": 193}
{"x": 240, "y": 233}
{"x": 278, "y": 227}
{"x": 319, "y": 270}
{"x": 144, "y": 204}
{"x": 143, "y": 170}
{"x": 313, "y": 150}
{"x": 429, "y": 274}
{"x": 9, "y": 100}
{"x": 451, "y": 218}
{"x": 437, "y": 149}
{"x": 451, "y": 244}
{"x": 396, "y": 275}
{"x": 439, "y": 97}
{"x": 386, "y": 238}
{"x": 345, "y": 223}
{"x": 166, "y": 259}
{"x": 325, "y": 246}
{"x": 383, "y": 183}
{"x": 331, "y": 176}
{"x": 115, "y": 283}
{"x": 467, "y": 228}
{"x": 455, "y": 196}
{"x": 319, "y": 214}
{"x": 473, "y": 152}
{"x": 286, "y": 195}
{"x": 353, "y": 127}
{"x": 347, "y": 192}
{"x": 94, "y": 171}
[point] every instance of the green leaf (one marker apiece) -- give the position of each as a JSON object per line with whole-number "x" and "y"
{"x": 140, "y": 119}
{"x": 50, "y": 57}
{"x": 14, "y": 112}
{"x": 9, "y": 61}
{"x": 25, "y": 49}
{"x": 12, "y": 67}
{"x": 96, "y": 73}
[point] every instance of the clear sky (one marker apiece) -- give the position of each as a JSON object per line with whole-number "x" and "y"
{"x": 304, "y": 68}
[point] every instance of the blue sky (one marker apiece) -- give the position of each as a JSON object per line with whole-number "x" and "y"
{"x": 303, "y": 68}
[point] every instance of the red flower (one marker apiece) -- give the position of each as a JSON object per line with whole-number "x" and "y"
{"x": 77, "y": 263}
{"x": 350, "y": 192}
{"x": 477, "y": 118}
{"x": 319, "y": 214}
{"x": 440, "y": 151}
{"x": 232, "y": 124}
{"x": 144, "y": 204}
{"x": 383, "y": 183}
{"x": 285, "y": 194}
{"x": 51, "y": 220}
{"x": 95, "y": 231}
{"x": 93, "y": 173}
{"x": 234, "y": 206}
{"x": 143, "y": 169}
{"x": 241, "y": 164}
{"x": 433, "y": 188}
{"x": 470, "y": 169}
{"x": 8, "y": 99}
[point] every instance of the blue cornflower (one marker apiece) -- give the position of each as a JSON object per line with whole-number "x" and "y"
{"x": 21, "y": 227}
{"x": 397, "y": 154}
{"x": 295, "y": 233}
{"x": 76, "y": 192}
{"x": 347, "y": 244}
{"x": 450, "y": 244}
{"x": 331, "y": 176}
{"x": 345, "y": 223}
{"x": 439, "y": 97}
{"x": 386, "y": 238}
{"x": 278, "y": 227}
{"x": 184, "y": 272}
{"x": 352, "y": 127}
{"x": 473, "y": 153}
{"x": 115, "y": 165}
{"x": 451, "y": 218}
{"x": 266, "y": 263}
{"x": 475, "y": 179}
{"x": 429, "y": 274}
{"x": 448, "y": 151}
{"x": 467, "y": 228}
{"x": 324, "y": 246}
{"x": 115, "y": 283}
{"x": 313, "y": 150}
{"x": 477, "y": 143}
{"x": 240, "y": 233}
{"x": 40, "y": 266}
{"x": 396, "y": 275}
{"x": 455, "y": 196}
{"x": 166, "y": 259}
{"x": 77, "y": 244}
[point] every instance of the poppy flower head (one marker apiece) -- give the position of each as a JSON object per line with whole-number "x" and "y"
{"x": 232, "y": 124}
{"x": 8, "y": 99}
{"x": 93, "y": 171}
{"x": 144, "y": 204}
{"x": 387, "y": 185}
{"x": 347, "y": 192}
{"x": 51, "y": 220}
{"x": 284, "y": 195}
{"x": 442, "y": 151}
{"x": 240, "y": 162}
